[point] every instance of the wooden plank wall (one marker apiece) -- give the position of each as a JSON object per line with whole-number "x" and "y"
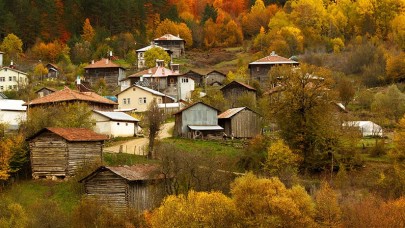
{"x": 245, "y": 124}
{"x": 82, "y": 153}
{"x": 143, "y": 195}
{"x": 109, "y": 188}
{"x": 48, "y": 155}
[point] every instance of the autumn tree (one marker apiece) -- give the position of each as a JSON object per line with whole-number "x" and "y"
{"x": 255, "y": 19}
{"x": 328, "y": 213}
{"x": 154, "y": 54}
{"x": 389, "y": 105}
{"x": 40, "y": 71}
{"x": 398, "y": 31}
{"x": 195, "y": 210}
{"x": 12, "y": 46}
{"x": 209, "y": 13}
{"x": 52, "y": 51}
{"x": 304, "y": 113}
{"x": 88, "y": 32}
{"x": 281, "y": 161}
{"x": 154, "y": 118}
{"x": 169, "y": 27}
{"x": 268, "y": 203}
{"x": 346, "y": 91}
{"x": 395, "y": 68}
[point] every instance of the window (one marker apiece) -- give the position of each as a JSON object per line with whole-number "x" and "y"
{"x": 124, "y": 101}
{"x": 118, "y": 123}
{"x": 129, "y": 100}
{"x": 14, "y": 86}
{"x": 10, "y": 87}
{"x": 142, "y": 100}
{"x": 1, "y": 87}
{"x": 2, "y": 79}
{"x": 257, "y": 68}
{"x": 10, "y": 78}
{"x": 184, "y": 80}
{"x": 14, "y": 78}
{"x": 126, "y": 124}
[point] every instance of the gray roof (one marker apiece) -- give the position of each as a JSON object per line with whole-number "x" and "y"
{"x": 120, "y": 116}
{"x": 205, "y": 127}
{"x": 12, "y": 105}
{"x": 151, "y": 46}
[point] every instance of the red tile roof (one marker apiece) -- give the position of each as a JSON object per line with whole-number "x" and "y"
{"x": 154, "y": 72}
{"x": 274, "y": 59}
{"x": 71, "y": 95}
{"x": 74, "y": 134}
{"x": 103, "y": 63}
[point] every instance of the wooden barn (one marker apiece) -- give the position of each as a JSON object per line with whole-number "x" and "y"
{"x": 240, "y": 122}
{"x": 139, "y": 186}
{"x": 233, "y": 90}
{"x": 197, "y": 77}
{"x": 215, "y": 78}
{"x": 59, "y": 152}
{"x": 197, "y": 120}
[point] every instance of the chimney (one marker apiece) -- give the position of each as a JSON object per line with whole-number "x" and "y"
{"x": 175, "y": 67}
{"x": 92, "y": 61}
{"x": 107, "y": 61}
{"x": 160, "y": 63}
{"x": 12, "y": 64}
{"x": 1, "y": 59}
{"x": 273, "y": 53}
{"x": 78, "y": 80}
{"x": 152, "y": 43}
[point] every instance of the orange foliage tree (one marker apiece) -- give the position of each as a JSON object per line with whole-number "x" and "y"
{"x": 169, "y": 27}
{"x": 50, "y": 51}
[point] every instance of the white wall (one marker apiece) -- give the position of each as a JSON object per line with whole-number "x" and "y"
{"x": 186, "y": 86}
{"x": 12, "y": 117}
{"x": 17, "y": 79}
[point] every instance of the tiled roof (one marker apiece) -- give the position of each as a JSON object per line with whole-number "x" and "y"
{"x": 274, "y": 59}
{"x": 103, "y": 63}
{"x": 120, "y": 116}
{"x": 71, "y": 95}
{"x": 74, "y": 134}
{"x": 240, "y": 83}
{"x": 169, "y": 37}
{"x": 229, "y": 113}
{"x": 12, "y": 69}
{"x": 151, "y": 46}
{"x": 154, "y": 72}
{"x": 139, "y": 172}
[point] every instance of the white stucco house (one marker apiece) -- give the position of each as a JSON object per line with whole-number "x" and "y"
{"x": 367, "y": 128}
{"x": 12, "y": 112}
{"x": 12, "y": 79}
{"x": 115, "y": 124}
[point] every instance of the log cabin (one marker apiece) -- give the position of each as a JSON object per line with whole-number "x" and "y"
{"x": 139, "y": 187}
{"x": 60, "y": 152}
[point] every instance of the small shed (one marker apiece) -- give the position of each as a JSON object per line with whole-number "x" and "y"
{"x": 53, "y": 70}
{"x": 215, "y": 78}
{"x": 367, "y": 128}
{"x": 115, "y": 124}
{"x": 59, "y": 152}
{"x": 44, "y": 91}
{"x": 12, "y": 113}
{"x": 139, "y": 186}
{"x": 240, "y": 122}
{"x": 233, "y": 90}
{"x": 197, "y": 77}
{"x": 197, "y": 120}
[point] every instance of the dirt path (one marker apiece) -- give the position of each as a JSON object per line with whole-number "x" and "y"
{"x": 138, "y": 146}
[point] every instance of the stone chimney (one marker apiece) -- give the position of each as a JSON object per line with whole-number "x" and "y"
{"x": 160, "y": 63}
{"x": 175, "y": 67}
{"x": 273, "y": 53}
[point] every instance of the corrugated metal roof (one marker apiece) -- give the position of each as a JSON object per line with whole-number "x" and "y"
{"x": 168, "y": 37}
{"x": 230, "y": 112}
{"x": 12, "y": 105}
{"x": 151, "y": 46}
{"x": 205, "y": 127}
{"x": 169, "y": 105}
{"x": 117, "y": 116}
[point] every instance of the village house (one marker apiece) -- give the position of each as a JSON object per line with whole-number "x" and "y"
{"x": 68, "y": 96}
{"x": 115, "y": 124}
{"x": 53, "y": 71}
{"x": 138, "y": 98}
{"x": 215, "y": 78}
{"x": 259, "y": 69}
{"x": 141, "y": 54}
{"x": 197, "y": 77}
{"x": 162, "y": 79}
{"x": 197, "y": 121}
{"x": 60, "y": 152}
{"x": 234, "y": 90}
{"x": 173, "y": 43}
{"x": 139, "y": 187}
{"x": 10, "y": 78}
{"x": 240, "y": 122}
{"x": 44, "y": 91}
{"x": 12, "y": 113}
{"x": 104, "y": 69}
{"x": 366, "y": 128}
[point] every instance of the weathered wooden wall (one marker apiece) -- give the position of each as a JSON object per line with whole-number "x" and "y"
{"x": 143, "y": 195}
{"x": 48, "y": 155}
{"x": 108, "y": 187}
{"x": 82, "y": 153}
{"x": 233, "y": 95}
{"x": 245, "y": 124}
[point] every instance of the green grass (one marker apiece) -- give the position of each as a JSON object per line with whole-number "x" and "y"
{"x": 115, "y": 159}
{"x": 379, "y": 159}
{"x": 227, "y": 148}
{"x": 26, "y": 193}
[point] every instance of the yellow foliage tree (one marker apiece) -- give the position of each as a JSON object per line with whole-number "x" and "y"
{"x": 328, "y": 210}
{"x": 281, "y": 159}
{"x": 169, "y": 27}
{"x": 268, "y": 203}
{"x": 196, "y": 209}
{"x": 88, "y": 31}
{"x": 5, "y": 156}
